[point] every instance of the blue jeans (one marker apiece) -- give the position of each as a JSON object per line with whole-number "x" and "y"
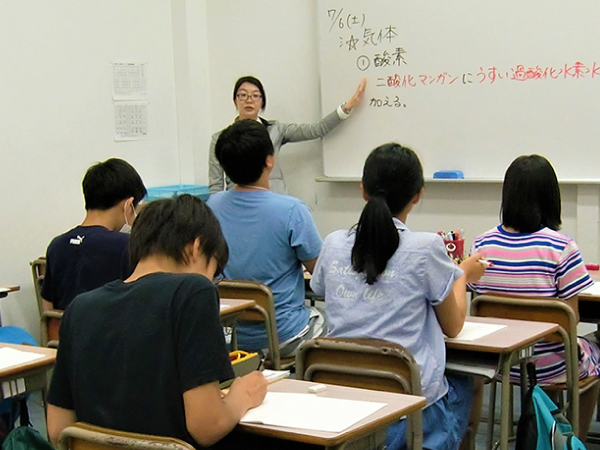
{"x": 444, "y": 422}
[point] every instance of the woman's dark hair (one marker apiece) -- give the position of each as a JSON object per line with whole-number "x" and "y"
{"x": 165, "y": 227}
{"x": 392, "y": 176}
{"x": 256, "y": 82}
{"x": 531, "y": 195}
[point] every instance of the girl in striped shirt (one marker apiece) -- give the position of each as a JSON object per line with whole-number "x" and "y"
{"x": 531, "y": 257}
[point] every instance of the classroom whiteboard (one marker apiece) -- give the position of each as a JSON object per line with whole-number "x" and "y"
{"x": 468, "y": 84}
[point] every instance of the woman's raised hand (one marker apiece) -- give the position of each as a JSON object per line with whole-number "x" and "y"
{"x": 355, "y": 100}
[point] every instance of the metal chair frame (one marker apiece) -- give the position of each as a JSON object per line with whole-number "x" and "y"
{"x": 83, "y": 436}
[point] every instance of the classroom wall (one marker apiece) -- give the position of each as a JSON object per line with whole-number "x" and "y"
{"x": 56, "y": 117}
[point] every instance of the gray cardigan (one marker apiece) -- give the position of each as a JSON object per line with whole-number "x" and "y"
{"x": 281, "y": 133}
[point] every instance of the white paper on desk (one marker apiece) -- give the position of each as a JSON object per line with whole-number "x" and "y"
{"x": 222, "y": 307}
{"x": 476, "y": 330}
{"x": 594, "y": 289}
{"x": 308, "y": 411}
{"x": 11, "y": 357}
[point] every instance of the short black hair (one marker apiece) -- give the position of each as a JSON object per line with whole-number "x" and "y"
{"x": 107, "y": 183}
{"x": 166, "y": 226}
{"x": 531, "y": 195}
{"x": 242, "y": 150}
{"x": 252, "y": 80}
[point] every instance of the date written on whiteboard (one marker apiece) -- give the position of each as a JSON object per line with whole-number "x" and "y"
{"x": 387, "y": 102}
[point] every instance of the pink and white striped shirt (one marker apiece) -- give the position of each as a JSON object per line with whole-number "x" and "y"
{"x": 545, "y": 263}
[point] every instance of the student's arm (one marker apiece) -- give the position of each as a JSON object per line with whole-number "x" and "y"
{"x": 452, "y": 312}
{"x": 310, "y": 265}
{"x": 58, "y": 419}
{"x": 209, "y": 417}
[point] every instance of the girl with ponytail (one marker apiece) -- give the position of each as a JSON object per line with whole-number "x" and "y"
{"x": 382, "y": 281}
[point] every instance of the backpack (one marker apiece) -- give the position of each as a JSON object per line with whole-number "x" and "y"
{"x": 25, "y": 437}
{"x": 542, "y": 425}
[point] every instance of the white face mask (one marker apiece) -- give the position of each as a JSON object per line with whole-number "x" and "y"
{"x": 126, "y": 228}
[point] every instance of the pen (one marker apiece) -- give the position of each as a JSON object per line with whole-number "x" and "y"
{"x": 486, "y": 263}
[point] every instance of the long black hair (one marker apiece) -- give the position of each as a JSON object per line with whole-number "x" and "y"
{"x": 392, "y": 176}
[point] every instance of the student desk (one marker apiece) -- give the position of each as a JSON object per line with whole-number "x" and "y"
{"x": 494, "y": 354}
{"x": 29, "y": 376}
{"x": 5, "y": 290}
{"x": 398, "y": 405}
{"x": 309, "y": 293}
{"x": 589, "y": 304}
{"x": 230, "y": 311}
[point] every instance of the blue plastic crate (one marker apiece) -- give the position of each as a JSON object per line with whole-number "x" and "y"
{"x": 198, "y": 190}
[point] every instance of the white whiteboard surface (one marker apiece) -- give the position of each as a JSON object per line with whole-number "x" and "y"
{"x": 470, "y": 84}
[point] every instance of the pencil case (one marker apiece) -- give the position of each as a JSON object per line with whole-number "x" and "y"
{"x": 243, "y": 363}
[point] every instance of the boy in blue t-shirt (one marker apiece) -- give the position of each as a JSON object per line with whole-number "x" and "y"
{"x": 270, "y": 236}
{"x": 95, "y": 253}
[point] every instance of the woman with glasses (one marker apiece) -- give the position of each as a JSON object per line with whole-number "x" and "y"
{"x": 249, "y": 98}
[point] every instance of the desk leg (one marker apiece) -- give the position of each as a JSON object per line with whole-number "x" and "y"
{"x": 233, "y": 342}
{"x": 505, "y": 424}
{"x": 491, "y": 414}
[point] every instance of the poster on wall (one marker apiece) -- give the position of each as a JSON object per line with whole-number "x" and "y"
{"x": 129, "y": 81}
{"x": 131, "y": 120}
{"x": 130, "y": 100}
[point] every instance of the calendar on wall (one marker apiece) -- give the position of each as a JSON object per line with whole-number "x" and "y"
{"x": 130, "y": 100}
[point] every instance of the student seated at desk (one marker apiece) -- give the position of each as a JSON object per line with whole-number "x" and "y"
{"x": 95, "y": 253}
{"x": 381, "y": 280}
{"x": 531, "y": 257}
{"x": 146, "y": 354}
{"x": 270, "y": 236}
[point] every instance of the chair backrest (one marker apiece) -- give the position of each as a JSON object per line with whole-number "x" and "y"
{"x": 264, "y": 311}
{"x": 38, "y": 270}
{"x": 83, "y": 436}
{"x": 363, "y": 363}
{"x": 538, "y": 309}
{"x": 49, "y": 320}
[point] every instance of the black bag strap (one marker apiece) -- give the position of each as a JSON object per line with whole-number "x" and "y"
{"x": 531, "y": 374}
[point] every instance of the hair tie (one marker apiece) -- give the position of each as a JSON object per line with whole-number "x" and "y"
{"x": 380, "y": 193}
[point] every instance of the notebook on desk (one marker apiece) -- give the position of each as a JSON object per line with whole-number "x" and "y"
{"x": 310, "y": 412}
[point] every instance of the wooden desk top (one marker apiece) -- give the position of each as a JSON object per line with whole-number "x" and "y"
{"x": 517, "y": 334}
{"x": 6, "y": 289}
{"x": 48, "y": 359}
{"x": 232, "y": 305}
{"x": 595, "y": 274}
{"x": 398, "y": 405}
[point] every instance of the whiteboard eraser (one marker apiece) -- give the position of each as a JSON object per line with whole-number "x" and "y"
{"x": 449, "y": 174}
{"x": 317, "y": 388}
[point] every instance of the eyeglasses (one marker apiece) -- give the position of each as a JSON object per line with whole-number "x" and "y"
{"x": 242, "y": 96}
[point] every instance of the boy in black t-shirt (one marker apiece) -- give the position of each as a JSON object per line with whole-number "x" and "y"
{"x": 95, "y": 253}
{"x": 146, "y": 354}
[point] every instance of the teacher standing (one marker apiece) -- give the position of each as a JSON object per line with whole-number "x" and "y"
{"x": 249, "y": 98}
